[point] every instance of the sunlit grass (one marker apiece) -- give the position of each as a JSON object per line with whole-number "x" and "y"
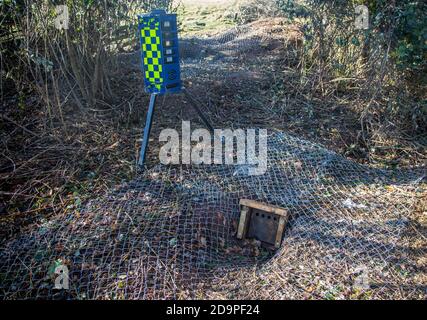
{"x": 205, "y": 19}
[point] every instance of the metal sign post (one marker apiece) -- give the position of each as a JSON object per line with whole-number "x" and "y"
{"x": 147, "y": 130}
{"x": 161, "y": 66}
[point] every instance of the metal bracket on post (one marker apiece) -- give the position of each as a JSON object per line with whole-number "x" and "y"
{"x": 147, "y": 130}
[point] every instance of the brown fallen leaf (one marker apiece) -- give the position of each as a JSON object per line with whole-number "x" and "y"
{"x": 298, "y": 165}
{"x": 233, "y": 250}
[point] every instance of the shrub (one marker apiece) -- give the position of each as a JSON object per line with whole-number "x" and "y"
{"x": 34, "y": 53}
{"x": 391, "y": 53}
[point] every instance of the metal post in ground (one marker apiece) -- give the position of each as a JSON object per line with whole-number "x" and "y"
{"x": 147, "y": 130}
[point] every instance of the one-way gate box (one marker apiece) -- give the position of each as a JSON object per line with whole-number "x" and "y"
{"x": 261, "y": 221}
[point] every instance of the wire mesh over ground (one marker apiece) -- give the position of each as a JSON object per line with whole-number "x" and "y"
{"x": 171, "y": 233}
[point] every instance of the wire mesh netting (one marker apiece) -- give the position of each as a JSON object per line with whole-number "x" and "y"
{"x": 233, "y": 49}
{"x": 171, "y": 232}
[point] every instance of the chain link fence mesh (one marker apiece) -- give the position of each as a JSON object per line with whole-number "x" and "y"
{"x": 171, "y": 232}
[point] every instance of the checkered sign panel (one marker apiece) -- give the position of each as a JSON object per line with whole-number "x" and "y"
{"x": 159, "y": 50}
{"x": 152, "y": 54}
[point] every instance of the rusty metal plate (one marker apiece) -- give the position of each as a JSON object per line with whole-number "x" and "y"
{"x": 263, "y": 226}
{"x": 261, "y": 221}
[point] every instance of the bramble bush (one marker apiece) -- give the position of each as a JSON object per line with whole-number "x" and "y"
{"x": 35, "y": 55}
{"x": 391, "y": 55}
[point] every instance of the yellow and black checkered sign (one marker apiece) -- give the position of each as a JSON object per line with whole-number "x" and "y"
{"x": 152, "y": 53}
{"x": 158, "y": 32}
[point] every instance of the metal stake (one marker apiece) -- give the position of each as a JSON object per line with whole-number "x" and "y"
{"x": 147, "y": 130}
{"x": 194, "y": 104}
